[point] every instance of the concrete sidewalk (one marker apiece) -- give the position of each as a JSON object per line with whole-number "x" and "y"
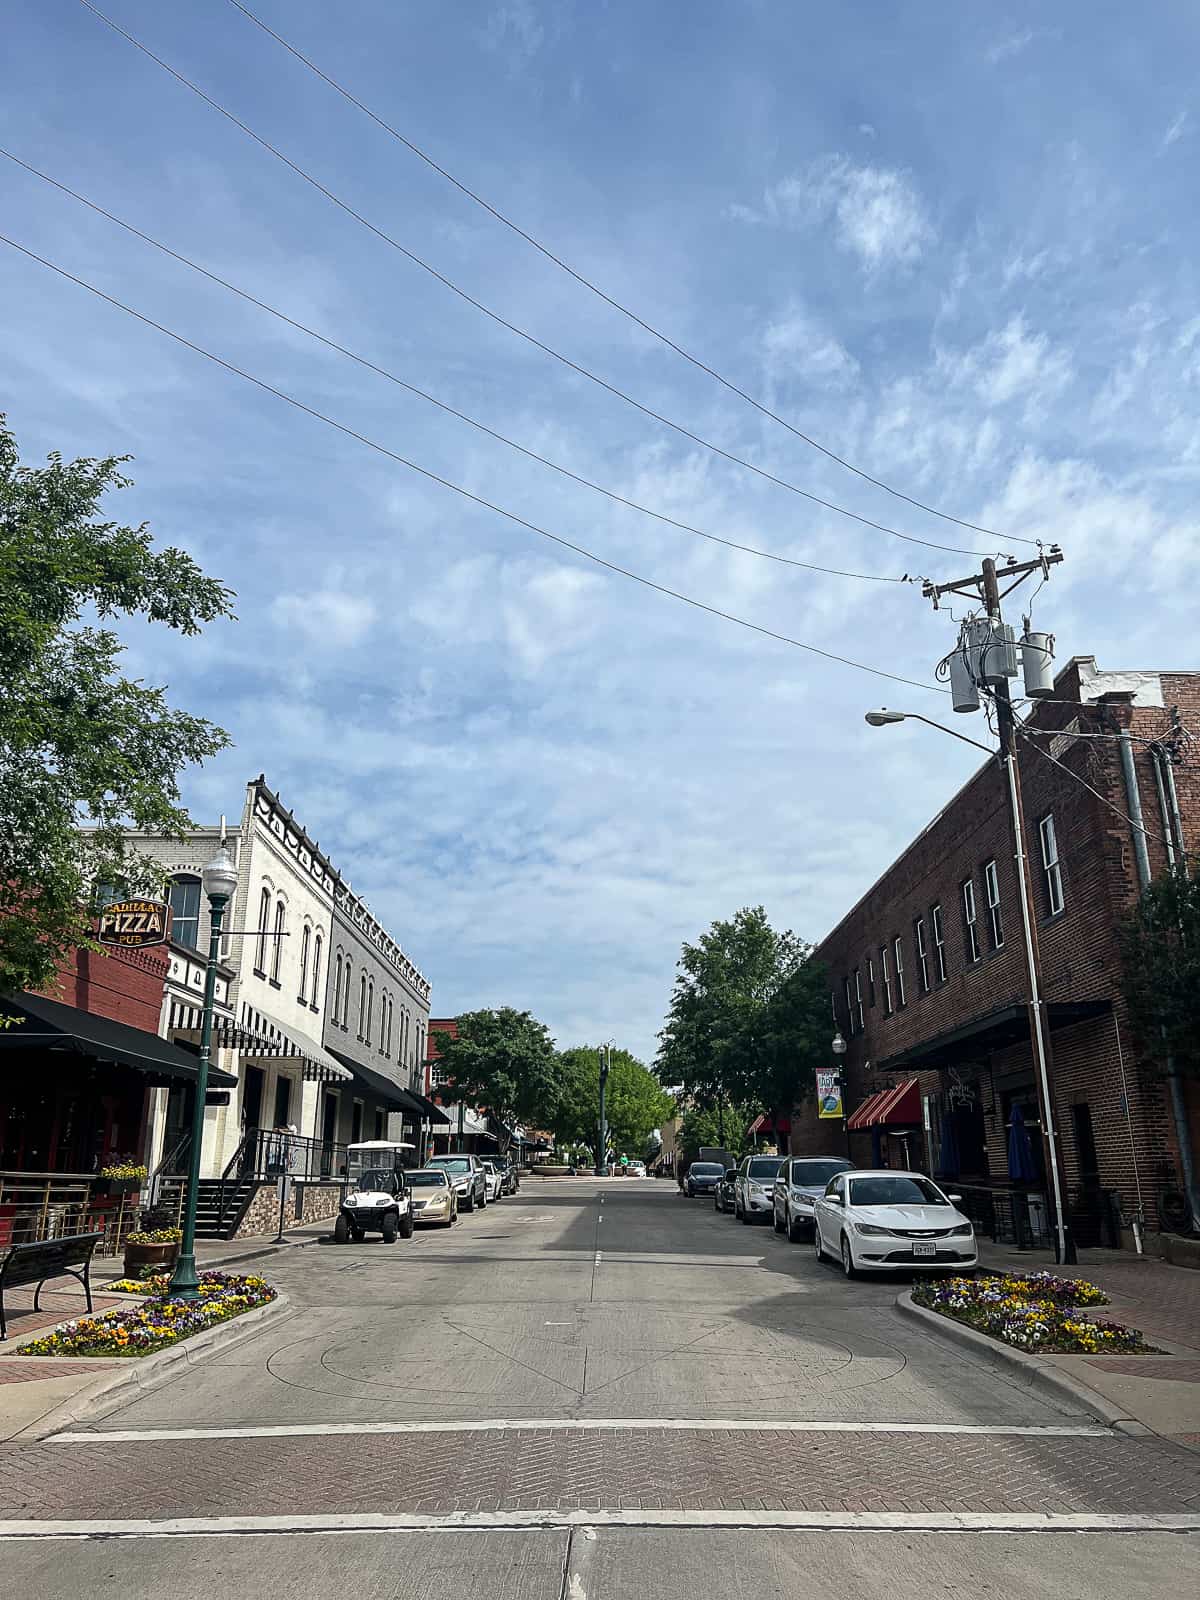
{"x": 1162, "y": 1392}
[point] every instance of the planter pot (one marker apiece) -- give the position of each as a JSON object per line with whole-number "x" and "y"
{"x": 116, "y": 1186}
{"x": 139, "y": 1256}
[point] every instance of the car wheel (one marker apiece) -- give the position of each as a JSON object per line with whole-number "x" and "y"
{"x": 794, "y": 1228}
{"x": 775, "y": 1222}
{"x": 818, "y": 1246}
{"x": 469, "y": 1203}
{"x": 848, "y": 1266}
{"x": 406, "y": 1225}
{"x": 389, "y": 1228}
{"x": 341, "y": 1230}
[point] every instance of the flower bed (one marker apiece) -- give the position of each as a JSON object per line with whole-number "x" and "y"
{"x": 156, "y": 1323}
{"x": 1033, "y": 1311}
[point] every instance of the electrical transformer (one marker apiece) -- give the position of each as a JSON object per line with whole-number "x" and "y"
{"x": 1037, "y": 663}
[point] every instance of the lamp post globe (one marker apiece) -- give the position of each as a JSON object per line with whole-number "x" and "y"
{"x": 838, "y": 1045}
{"x": 219, "y": 877}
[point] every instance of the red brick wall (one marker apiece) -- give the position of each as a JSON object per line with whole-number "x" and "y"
{"x": 124, "y": 985}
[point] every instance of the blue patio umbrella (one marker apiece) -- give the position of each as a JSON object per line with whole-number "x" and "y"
{"x": 949, "y": 1160}
{"x": 1020, "y": 1152}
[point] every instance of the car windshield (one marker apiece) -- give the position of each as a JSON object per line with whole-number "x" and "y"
{"x": 764, "y": 1166}
{"x": 453, "y": 1164}
{"x": 705, "y": 1169}
{"x": 897, "y": 1191}
{"x": 816, "y": 1174}
{"x": 375, "y": 1178}
{"x": 428, "y": 1180}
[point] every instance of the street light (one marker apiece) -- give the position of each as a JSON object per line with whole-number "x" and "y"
{"x": 839, "y": 1047}
{"x": 605, "y": 1053}
{"x": 1064, "y": 1244}
{"x": 219, "y": 881}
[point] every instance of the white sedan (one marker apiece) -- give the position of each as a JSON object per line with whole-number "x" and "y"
{"x": 495, "y": 1183}
{"x": 881, "y": 1221}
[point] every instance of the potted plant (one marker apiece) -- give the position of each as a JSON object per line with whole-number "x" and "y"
{"x": 119, "y": 1177}
{"x": 152, "y": 1248}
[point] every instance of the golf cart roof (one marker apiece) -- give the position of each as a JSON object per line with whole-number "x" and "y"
{"x": 381, "y": 1144}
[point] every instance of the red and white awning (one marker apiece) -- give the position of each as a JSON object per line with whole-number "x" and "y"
{"x": 899, "y": 1107}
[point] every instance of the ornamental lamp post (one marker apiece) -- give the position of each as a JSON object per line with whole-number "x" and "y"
{"x": 838, "y": 1046}
{"x": 219, "y": 881}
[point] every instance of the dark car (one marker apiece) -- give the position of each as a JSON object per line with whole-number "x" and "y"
{"x": 800, "y": 1183}
{"x": 510, "y": 1179}
{"x": 703, "y": 1177}
{"x": 723, "y": 1195}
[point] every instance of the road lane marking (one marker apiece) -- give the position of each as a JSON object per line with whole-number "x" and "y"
{"x": 304, "y": 1430}
{"x": 489, "y": 1521}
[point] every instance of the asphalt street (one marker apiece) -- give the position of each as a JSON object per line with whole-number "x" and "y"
{"x": 593, "y": 1389}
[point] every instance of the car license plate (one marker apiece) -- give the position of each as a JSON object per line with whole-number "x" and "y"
{"x": 924, "y": 1247}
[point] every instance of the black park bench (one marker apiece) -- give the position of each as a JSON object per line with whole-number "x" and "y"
{"x": 69, "y": 1257}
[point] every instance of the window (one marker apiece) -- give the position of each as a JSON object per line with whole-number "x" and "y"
{"x": 1051, "y": 872}
{"x": 898, "y": 951}
{"x": 277, "y": 953}
{"x": 362, "y": 1004}
{"x": 316, "y": 984}
{"x": 356, "y": 1116}
{"x": 370, "y": 1010}
{"x": 922, "y": 953}
{"x": 887, "y": 982}
{"x": 849, "y": 1007}
{"x": 939, "y": 942}
{"x": 970, "y": 926}
{"x": 184, "y": 898}
{"x": 305, "y": 940}
{"x": 871, "y": 982}
{"x": 264, "y": 922}
{"x": 381, "y": 1124}
{"x": 391, "y": 1013}
{"x": 858, "y": 1003}
{"x": 346, "y": 996}
{"x": 337, "y": 989}
{"x": 991, "y": 880}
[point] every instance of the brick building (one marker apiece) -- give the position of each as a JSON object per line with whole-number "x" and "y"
{"x": 929, "y": 975}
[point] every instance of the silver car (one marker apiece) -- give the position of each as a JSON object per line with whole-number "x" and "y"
{"x": 799, "y": 1185}
{"x": 753, "y": 1187}
{"x": 467, "y": 1178}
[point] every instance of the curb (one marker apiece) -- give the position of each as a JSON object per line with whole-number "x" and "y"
{"x": 1051, "y": 1384}
{"x": 144, "y": 1372}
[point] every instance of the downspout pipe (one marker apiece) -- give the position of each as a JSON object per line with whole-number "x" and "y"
{"x": 1179, "y": 1112}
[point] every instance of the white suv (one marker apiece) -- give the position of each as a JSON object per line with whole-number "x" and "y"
{"x": 753, "y": 1187}
{"x": 468, "y": 1177}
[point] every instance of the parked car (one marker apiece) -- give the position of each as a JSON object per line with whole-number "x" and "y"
{"x": 703, "y": 1177}
{"x": 509, "y": 1172}
{"x": 433, "y": 1196}
{"x": 723, "y": 1194}
{"x": 636, "y": 1169}
{"x": 467, "y": 1176}
{"x": 877, "y": 1221}
{"x": 752, "y": 1187}
{"x": 379, "y": 1198}
{"x": 493, "y": 1179}
{"x": 799, "y": 1184}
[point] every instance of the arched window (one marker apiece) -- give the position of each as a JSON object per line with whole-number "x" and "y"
{"x": 316, "y": 971}
{"x": 184, "y": 896}
{"x": 370, "y": 1009}
{"x": 383, "y": 1005}
{"x": 337, "y": 987}
{"x": 264, "y": 922}
{"x": 302, "y": 992}
{"x": 346, "y": 997}
{"x": 391, "y": 1009}
{"x": 362, "y": 1006}
{"x": 277, "y": 954}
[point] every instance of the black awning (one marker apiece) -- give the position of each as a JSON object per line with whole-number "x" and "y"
{"x": 393, "y": 1095}
{"x": 50, "y": 1025}
{"x": 994, "y": 1030}
{"x": 429, "y": 1109}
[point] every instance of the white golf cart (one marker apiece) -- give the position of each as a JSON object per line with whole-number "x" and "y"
{"x": 379, "y": 1199}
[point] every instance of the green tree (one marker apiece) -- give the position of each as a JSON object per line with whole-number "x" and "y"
{"x": 1161, "y": 949}
{"x": 504, "y": 1060}
{"x": 786, "y": 1040}
{"x": 713, "y": 1039}
{"x": 79, "y": 742}
{"x": 703, "y": 1127}
{"x": 634, "y": 1100}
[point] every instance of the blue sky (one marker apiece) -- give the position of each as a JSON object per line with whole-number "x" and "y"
{"x": 955, "y": 244}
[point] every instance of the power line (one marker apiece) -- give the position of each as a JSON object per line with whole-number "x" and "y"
{"x": 1104, "y": 801}
{"x": 448, "y": 483}
{"x": 601, "y": 294}
{"x": 501, "y": 321}
{"x": 442, "y": 405}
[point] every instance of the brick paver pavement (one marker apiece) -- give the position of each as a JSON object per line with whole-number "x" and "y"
{"x": 57, "y": 1306}
{"x": 535, "y": 1469}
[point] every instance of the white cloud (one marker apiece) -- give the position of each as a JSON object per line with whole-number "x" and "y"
{"x": 1005, "y": 49}
{"x": 326, "y": 617}
{"x": 876, "y": 212}
{"x": 1176, "y": 131}
{"x": 515, "y": 30}
{"x": 1011, "y": 364}
{"x": 798, "y": 345}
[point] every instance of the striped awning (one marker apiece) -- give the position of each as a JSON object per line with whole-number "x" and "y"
{"x": 256, "y": 1035}
{"x": 897, "y": 1107}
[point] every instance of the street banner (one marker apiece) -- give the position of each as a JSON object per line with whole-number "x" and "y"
{"x": 829, "y": 1093}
